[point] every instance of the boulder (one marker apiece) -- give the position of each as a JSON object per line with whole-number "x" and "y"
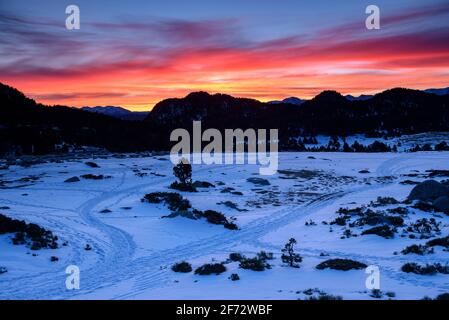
{"x": 442, "y": 203}
{"x": 428, "y": 190}
{"x": 73, "y": 179}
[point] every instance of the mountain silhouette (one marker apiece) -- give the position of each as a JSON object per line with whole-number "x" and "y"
{"x": 30, "y": 127}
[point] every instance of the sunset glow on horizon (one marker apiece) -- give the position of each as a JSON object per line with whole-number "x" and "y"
{"x": 124, "y": 57}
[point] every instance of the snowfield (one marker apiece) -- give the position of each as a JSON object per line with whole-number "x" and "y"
{"x": 133, "y": 247}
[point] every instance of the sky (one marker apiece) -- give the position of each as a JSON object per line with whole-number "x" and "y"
{"x": 136, "y": 53}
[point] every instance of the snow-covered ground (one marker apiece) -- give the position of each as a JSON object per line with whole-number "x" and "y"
{"x": 134, "y": 248}
{"x": 403, "y": 143}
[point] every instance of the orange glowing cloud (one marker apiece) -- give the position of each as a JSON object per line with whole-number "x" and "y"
{"x": 205, "y": 56}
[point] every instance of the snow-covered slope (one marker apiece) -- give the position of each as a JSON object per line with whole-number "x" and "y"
{"x": 133, "y": 248}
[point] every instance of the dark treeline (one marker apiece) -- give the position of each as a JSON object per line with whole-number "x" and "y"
{"x": 31, "y": 128}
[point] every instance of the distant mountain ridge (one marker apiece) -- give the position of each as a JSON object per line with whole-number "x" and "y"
{"x": 30, "y": 127}
{"x": 440, "y": 92}
{"x": 298, "y": 101}
{"x": 291, "y": 100}
{"x": 361, "y": 97}
{"x": 118, "y": 112}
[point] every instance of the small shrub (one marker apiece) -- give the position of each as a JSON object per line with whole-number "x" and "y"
{"x": 258, "y": 263}
{"x": 417, "y": 249}
{"x": 263, "y": 255}
{"x": 3, "y": 270}
{"x": 341, "y": 264}
{"x": 236, "y": 257}
{"x": 231, "y": 226}
{"x": 399, "y": 210}
{"x": 234, "y": 277}
{"x": 340, "y": 221}
{"x": 182, "y": 187}
{"x": 174, "y": 200}
{"x": 19, "y": 238}
{"x": 183, "y": 267}
{"x": 376, "y": 293}
{"x": 95, "y": 177}
{"x": 325, "y": 297}
{"x": 28, "y": 233}
{"x": 87, "y": 247}
{"x": 381, "y": 231}
{"x": 354, "y": 211}
{"x": 443, "y": 242}
{"x": 428, "y": 269}
{"x": 210, "y": 268}
{"x": 384, "y": 201}
{"x": 54, "y": 259}
{"x": 215, "y": 217}
{"x": 425, "y": 227}
{"x": 254, "y": 264}
{"x": 310, "y": 223}
{"x": 372, "y": 218}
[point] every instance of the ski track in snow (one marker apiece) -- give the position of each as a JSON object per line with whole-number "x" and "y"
{"x": 115, "y": 248}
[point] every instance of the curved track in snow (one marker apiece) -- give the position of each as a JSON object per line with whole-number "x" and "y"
{"x": 115, "y": 248}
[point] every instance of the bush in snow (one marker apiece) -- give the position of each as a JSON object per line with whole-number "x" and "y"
{"x": 381, "y": 231}
{"x": 183, "y": 171}
{"x": 417, "y": 249}
{"x": 3, "y": 270}
{"x": 174, "y": 200}
{"x": 376, "y": 293}
{"x": 384, "y": 201}
{"x": 341, "y": 264}
{"x": 263, "y": 255}
{"x": 425, "y": 227}
{"x": 258, "y": 263}
{"x": 28, "y": 233}
{"x": 325, "y": 297}
{"x": 234, "y": 277}
{"x": 216, "y": 217}
{"x": 442, "y": 242}
{"x": 231, "y": 226}
{"x": 210, "y": 268}
{"x": 236, "y": 256}
{"x": 183, "y": 266}
{"x": 428, "y": 269}
{"x": 90, "y": 176}
{"x": 255, "y": 264}
{"x": 289, "y": 256}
